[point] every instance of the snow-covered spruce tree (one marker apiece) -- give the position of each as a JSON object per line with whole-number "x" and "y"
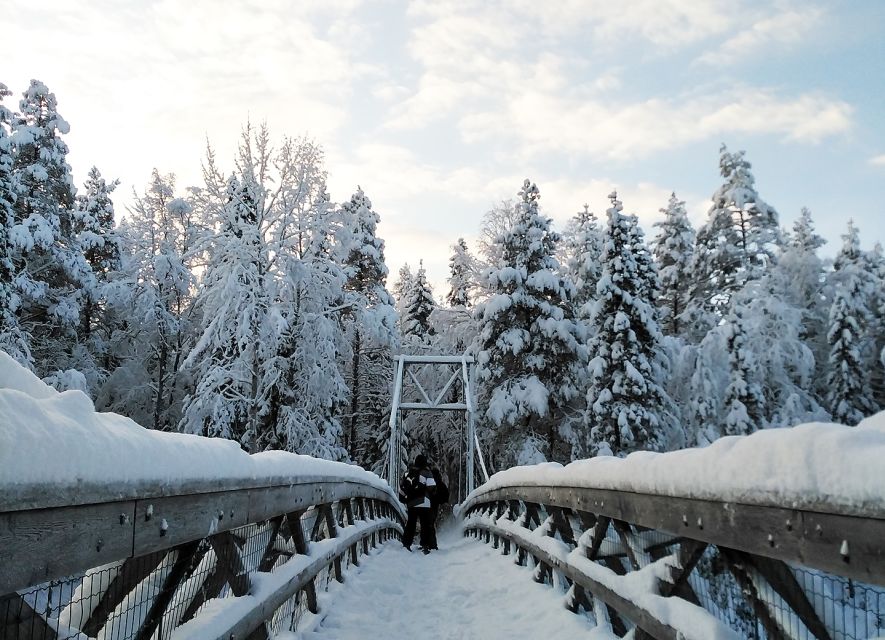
{"x": 419, "y": 305}
{"x": 673, "y": 249}
{"x": 402, "y": 285}
{"x": 460, "y": 275}
{"x": 93, "y": 228}
{"x": 51, "y": 273}
{"x": 530, "y": 350}
{"x": 371, "y": 325}
{"x": 849, "y": 396}
{"x": 744, "y": 403}
{"x": 627, "y": 407}
{"x": 13, "y": 339}
{"x": 582, "y": 250}
{"x": 798, "y": 281}
{"x": 736, "y": 244}
{"x": 849, "y": 393}
{"x": 876, "y": 328}
{"x": 158, "y": 255}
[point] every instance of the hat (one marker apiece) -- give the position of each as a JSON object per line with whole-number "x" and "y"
{"x": 421, "y": 460}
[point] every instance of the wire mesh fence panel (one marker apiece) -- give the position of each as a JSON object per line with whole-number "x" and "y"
{"x": 757, "y": 596}
{"x": 149, "y": 596}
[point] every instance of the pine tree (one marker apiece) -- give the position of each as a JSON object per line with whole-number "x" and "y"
{"x": 804, "y": 237}
{"x": 419, "y": 305}
{"x": 460, "y": 278}
{"x": 627, "y": 407}
{"x": 530, "y": 349}
{"x": 160, "y": 233}
{"x": 744, "y": 402}
{"x": 402, "y": 285}
{"x": 736, "y": 244}
{"x": 13, "y": 339}
{"x": 849, "y": 394}
{"x": 50, "y": 272}
{"x": 372, "y": 323}
{"x": 583, "y": 250}
{"x": 674, "y": 251}
{"x": 798, "y": 280}
{"x": 93, "y": 227}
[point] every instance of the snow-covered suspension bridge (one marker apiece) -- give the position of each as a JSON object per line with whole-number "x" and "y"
{"x": 108, "y": 530}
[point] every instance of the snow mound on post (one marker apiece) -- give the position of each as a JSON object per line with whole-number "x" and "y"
{"x": 56, "y": 440}
{"x": 815, "y": 464}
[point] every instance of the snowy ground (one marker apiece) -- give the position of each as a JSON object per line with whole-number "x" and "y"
{"x": 464, "y": 591}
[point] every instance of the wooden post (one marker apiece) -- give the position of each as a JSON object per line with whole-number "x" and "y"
{"x": 228, "y": 554}
{"x": 186, "y": 554}
{"x": 133, "y": 571}
{"x": 19, "y": 620}
{"x": 736, "y": 565}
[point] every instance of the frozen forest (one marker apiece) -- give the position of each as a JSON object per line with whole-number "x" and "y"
{"x": 254, "y": 307}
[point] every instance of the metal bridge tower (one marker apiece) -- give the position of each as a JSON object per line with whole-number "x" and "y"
{"x": 410, "y": 395}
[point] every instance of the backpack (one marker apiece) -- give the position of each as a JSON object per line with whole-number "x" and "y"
{"x": 408, "y": 486}
{"x": 441, "y": 495}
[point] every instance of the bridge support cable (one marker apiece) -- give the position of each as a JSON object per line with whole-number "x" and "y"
{"x": 205, "y": 563}
{"x": 410, "y": 394}
{"x": 665, "y": 567}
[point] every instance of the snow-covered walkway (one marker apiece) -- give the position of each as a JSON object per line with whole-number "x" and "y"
{"x": 463, "y": 591}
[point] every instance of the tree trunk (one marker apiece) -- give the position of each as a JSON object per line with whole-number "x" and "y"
{"x": 355, "y": 392}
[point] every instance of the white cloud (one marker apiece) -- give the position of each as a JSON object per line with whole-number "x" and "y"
{"x": 878, "y": 160}
{"x": 550, "y": 123}
{"x": 790, "y": 26}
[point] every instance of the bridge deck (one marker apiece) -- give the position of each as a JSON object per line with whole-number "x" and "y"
{"x": 461, "y": 591}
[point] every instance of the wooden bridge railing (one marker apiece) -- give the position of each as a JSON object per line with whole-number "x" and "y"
{"x": 141, "y": 562}
{"x": 665, "y": 567}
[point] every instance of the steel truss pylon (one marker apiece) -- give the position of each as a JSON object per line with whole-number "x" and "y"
{"x": 462, "y": 367}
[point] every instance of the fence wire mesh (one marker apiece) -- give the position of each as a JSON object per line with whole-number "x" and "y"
{"x": 848, "y": 610}
{"x": 146, "y": 598}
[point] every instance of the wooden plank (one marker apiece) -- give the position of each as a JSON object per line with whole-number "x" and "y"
{"x": 91, "y": 535}
{"x": 19, "y": 620}
{"x": 186, "y": 559}
{"x": 563, "y": 526}
{"x": 164, "y": 523}
{"x": 782, "y": 579}
{"x": 688, "y": 555}
{"x": 625, "y": 533}
{"x": 640, "y": 616}
{"x": 263, "y": 609}
{"x": 599, "y": 532}
{"x": 228, "y": 559}
{"x": 734, "y": 562}
{"x": 296, "y": 531}
{"x": 798, "y": 537}
{"x": 333, "y": 533}
{"x": 271, "y": 554}
{"x": 132, "y": 572}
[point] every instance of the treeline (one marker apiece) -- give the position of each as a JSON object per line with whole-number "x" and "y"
{"x": 598, "y": 341}
{"x": 253, "y": 307}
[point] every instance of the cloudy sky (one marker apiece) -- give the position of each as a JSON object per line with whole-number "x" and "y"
{"x": 439, "y": 109}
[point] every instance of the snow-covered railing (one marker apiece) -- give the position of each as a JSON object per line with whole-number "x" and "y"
{"x": 109, "y": 530}
{"x": 778, "y": 535}
{"x": 154, "y": 560}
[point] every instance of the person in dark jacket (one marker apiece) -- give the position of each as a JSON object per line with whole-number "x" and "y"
{"x": 417, "y": 487}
